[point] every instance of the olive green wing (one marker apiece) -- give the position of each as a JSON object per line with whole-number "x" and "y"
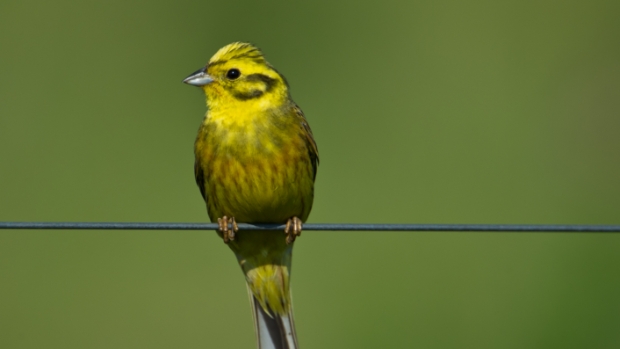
{"x": 313, "y": 151}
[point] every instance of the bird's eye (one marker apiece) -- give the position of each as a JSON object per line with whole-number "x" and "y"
{"x": 232, "y": 74}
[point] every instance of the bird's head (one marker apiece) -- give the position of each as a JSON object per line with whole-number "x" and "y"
{"x": 238, "y": 72}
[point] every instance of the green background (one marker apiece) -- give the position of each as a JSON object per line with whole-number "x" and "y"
{"x": 424, "y": 112}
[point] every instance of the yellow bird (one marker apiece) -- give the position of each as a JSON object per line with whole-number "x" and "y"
{"x": 256, "y": 162}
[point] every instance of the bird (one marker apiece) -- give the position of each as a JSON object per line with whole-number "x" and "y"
{"x": 256, "y": 162}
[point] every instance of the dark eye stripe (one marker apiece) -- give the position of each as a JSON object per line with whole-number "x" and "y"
{"x": 270, "y": 83}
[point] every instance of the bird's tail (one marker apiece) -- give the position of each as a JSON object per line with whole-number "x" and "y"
{"x": 265, "y": 259}
{"x": 273, "y": 331}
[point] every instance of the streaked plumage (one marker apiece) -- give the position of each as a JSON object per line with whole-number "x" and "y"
{"x": 256, "y": 161}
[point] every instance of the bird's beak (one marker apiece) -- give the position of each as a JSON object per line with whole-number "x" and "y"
{"x": 199, "y": 78}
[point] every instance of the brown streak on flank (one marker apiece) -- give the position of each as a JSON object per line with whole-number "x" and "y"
{"x": 261, "y": 170}
{"x": 221, "y": 170}
{"x": 205, "y": 161}
{"x": 274, "y": 174}
{"x": 274, "y": 167}
{"x": 234, "y": 179}
{"x": 209, "y": 175}
{"x": 298, "y": 172}
{"x": 295, "y": 149}
{"x": 273, "y": 179}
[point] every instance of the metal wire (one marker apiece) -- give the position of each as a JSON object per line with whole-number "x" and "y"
{"x": 528, "y": 228}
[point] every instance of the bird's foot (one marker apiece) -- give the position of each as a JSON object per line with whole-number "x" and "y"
{"x": 292, "y": 229}
{"x": 227, "y": 234}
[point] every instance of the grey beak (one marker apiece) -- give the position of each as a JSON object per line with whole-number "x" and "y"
{"x": 199, "y": 78}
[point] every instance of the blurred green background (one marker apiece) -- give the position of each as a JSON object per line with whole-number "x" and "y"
{"x": 424, "y": 112}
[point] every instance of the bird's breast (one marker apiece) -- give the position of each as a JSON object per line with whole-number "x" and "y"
{"x": 257, "y": 171}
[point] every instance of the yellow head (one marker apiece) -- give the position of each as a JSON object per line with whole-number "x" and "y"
{"x": 239, "y": 73}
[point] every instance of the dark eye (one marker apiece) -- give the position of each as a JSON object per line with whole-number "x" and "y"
{"x": 232, "y": 74}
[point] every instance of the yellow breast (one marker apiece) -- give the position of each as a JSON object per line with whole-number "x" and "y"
{"x": 255, "y": 166}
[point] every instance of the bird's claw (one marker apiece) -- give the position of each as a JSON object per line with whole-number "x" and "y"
{"x": 292, "y": 229}
{"x": 227, "y": 234}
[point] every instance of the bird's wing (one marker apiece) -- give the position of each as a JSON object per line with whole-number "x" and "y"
{"x": 313, "y": 151}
